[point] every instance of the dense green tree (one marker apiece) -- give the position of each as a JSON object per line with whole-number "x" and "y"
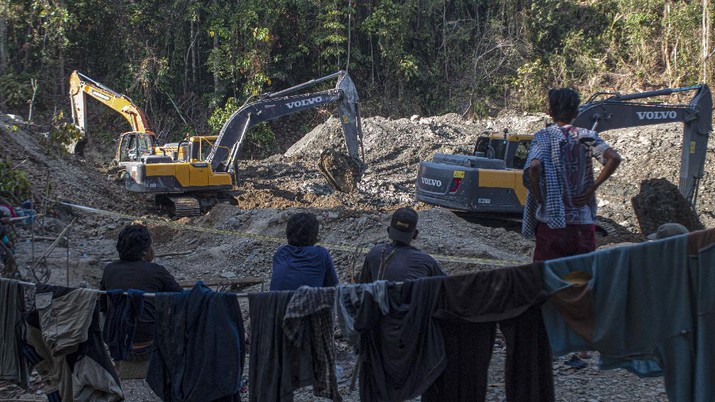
{"x": 183, "y": 61}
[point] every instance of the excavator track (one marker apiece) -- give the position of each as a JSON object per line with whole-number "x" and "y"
{"x": 181, "y": 206}
{"x": 512, "y": 222}
{"x": 605, "y": 227}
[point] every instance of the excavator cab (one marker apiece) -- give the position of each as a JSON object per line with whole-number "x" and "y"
{"x": 134, "y": 145}
{"x": 190, "y": 149}
{"x": 512, "y": 149}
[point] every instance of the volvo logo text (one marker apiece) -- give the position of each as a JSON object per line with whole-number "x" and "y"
{"x": 432, "y": 182}
{"x": 304, "y": 102}
{"x": 656, "y": 115}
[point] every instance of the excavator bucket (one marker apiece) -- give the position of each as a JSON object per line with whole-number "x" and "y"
{"x": 340, "y": 170}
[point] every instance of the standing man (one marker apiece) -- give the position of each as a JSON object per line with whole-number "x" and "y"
{"x": 399, "y": 261}
{"x": 560, "y": 207}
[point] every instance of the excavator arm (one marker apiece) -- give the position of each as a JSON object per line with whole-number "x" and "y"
{"x": 622, "y": 111}
{"x": 274, "y": 105}
{"x": 81, "y": 86}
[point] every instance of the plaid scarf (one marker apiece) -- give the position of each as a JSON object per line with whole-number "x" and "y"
{"x": 314, "y": 307}
{"x": 547, "y": 146}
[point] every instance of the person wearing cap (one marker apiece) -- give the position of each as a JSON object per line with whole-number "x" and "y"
{"x": 301, "y": 262}
{"x": 399, "y": 261}
{"x": 668, "y": 230}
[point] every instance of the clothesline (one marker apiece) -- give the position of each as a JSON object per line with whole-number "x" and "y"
{"x": 104, "y": 292}
{"x": 148, "y": 294}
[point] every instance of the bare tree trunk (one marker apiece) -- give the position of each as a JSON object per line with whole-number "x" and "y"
{"x": 216, "y": 81}
{"x": 194, "y": 55}
{"x": 3, "y": 36}
{"x": 28, "y": 49}
{"x": 706, "y": 41}
{"x": 61, "y": 76}
{"x": 189, "y": 54}
{"x": 444, "y": 40}
{"x": 372, "y": 62}
{"x": 665, "y": 46}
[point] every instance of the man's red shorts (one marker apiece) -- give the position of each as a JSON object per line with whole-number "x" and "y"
{"x": 571, "y": 240}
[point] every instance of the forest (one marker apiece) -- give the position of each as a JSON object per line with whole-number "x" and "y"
{"x": 189, "y": 64}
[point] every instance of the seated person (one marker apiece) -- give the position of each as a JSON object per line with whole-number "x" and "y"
{"x": 301, "y": 262}
{"x": 399, "y": 261}
{"x": 135, "y": 270}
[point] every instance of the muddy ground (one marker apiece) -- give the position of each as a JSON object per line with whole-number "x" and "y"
{"x": 242, "y": 239}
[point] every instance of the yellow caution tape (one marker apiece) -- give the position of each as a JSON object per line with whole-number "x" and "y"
{"x": 329, "y": 246}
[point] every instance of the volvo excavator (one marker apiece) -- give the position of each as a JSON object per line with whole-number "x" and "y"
{"x": 490, "y": 180}
{"x": 187, "y": 187}
{"x": 133, "y": 144}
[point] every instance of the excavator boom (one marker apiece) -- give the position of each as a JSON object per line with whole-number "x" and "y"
{"x": 81, "y": 86}
{"x": 275, "y": 105}
{"x": 621, "y": 111}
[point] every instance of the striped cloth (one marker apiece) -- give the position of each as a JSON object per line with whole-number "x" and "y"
{"x": 314, "y": 307}
{"x": 548, "y": 146}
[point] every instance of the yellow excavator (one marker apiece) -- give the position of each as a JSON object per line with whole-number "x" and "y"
{"x": 206, "y": 173}
{"x": 133, "y": 144}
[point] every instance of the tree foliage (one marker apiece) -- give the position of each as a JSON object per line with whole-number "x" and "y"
{"x": 184, "y": 61}
{"x": 13, "y": 182}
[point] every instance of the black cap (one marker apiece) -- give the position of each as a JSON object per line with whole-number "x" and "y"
{"x": 403, "y": 225}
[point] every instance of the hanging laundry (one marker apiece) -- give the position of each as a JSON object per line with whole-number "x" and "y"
{"x": 292, "y": 344}
{"x": 703, "y": 262}
{"x": 120, "y": 325}
{"x": 199, "y": 346}
{"x": 401, "y": 353}
{"x": 54, "y": 371}
{"x": 13, "y": 365}
{"x": 641, "y": 314}
{"x": 270, "y": 375}
{"x": 349, "y": 299}
{"x": 469, "y": 308}
{"x": 64, "y": 332}
{"x": 308, "y": 324}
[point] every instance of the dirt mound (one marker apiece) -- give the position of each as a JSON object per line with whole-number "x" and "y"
{"x": 394, "y": 148}
{"x": 652, "y": 155}
{"x": 659, "y": 202}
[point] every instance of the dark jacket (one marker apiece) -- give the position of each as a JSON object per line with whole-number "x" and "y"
{"x": 199, "y": 347}
{"x": 402, "y": 263}
{"x": 140, "y": 275}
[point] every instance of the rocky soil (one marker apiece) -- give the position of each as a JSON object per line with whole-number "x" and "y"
{"x": 234, "y": 242}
